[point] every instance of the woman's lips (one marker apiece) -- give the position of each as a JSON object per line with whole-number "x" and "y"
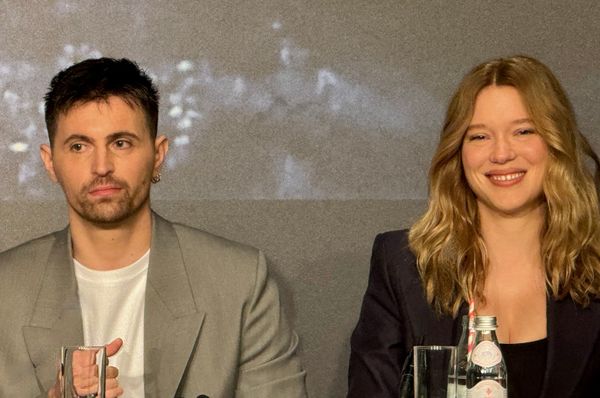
{"x": 505, "y": 179}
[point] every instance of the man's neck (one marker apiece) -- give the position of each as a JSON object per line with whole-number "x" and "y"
{"x": 107, "y": 248}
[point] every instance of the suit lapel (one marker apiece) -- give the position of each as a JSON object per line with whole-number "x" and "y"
{"x": 171, "y": 319}
{"x": 427, "y": 327}
{"x": 56, "y": 319}
{"x": 572, "y": 332}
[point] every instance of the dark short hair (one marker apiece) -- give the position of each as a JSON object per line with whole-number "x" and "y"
{"x": 97, "y": 80}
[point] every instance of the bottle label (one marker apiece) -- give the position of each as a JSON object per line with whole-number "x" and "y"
{"x": 486, "y": 354}
{"x": 487, "y": 389}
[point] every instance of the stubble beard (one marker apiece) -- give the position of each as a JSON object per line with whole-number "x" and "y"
{"x": 111, "y": 210}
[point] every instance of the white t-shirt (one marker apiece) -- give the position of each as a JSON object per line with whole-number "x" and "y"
{"x": 112, "y": 305}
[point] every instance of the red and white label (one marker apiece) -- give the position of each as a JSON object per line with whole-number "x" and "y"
{"x": 486, "y": 354}
{"x": 487, "y": 389}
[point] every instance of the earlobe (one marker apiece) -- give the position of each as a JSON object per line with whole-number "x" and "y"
{"x": 46, "y": 155}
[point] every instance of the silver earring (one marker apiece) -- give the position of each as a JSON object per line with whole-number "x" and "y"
{"x": 155, "y": 179}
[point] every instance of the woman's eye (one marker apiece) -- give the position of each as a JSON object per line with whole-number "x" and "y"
{"x": 475, "y": 137}
{"x": 525, "y": 131}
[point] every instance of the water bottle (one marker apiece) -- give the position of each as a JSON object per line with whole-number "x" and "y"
{"x": 486, "y": 369}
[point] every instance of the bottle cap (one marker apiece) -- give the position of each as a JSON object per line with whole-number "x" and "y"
{"x": 485, "y": 322}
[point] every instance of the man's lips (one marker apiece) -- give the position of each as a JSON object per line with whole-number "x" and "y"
{"x": 104, "y": 190}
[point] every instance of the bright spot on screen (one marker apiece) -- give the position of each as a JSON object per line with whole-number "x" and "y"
{"x": 181, "y": 140}
{"x": 18, "y": 147}
{"x": 185, "y": 66}
{"x": 175, "y": 111}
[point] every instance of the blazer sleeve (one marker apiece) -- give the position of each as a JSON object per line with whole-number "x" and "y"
{"x": 377, "y": 343}
{"x": 269, "y": 366}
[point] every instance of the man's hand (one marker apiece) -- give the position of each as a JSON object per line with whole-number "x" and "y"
{"x": 85, "y": 374}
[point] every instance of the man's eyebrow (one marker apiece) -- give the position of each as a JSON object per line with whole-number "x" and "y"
{"x": 77, "y": 137}
{"x": 121, "y": 134}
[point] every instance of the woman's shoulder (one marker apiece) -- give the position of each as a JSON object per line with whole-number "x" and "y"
{"x": 393, "y": 256}
{"x": 400, "y": 235}
{"x": 394, "y": 245}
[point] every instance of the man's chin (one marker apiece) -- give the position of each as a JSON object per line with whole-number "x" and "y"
{"x": 105, "y": 220}
{"x": 107, "y": 216}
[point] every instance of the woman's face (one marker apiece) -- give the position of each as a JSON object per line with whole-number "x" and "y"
{"x": 504, "y": 158}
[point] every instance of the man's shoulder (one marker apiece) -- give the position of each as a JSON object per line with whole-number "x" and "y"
{"x": 217, "y": 264}
{"x": 27, "y": 251}
{"x": 22, "y": 267}
{"x": 207, "y": 251}
{"x": 210, "y": 241}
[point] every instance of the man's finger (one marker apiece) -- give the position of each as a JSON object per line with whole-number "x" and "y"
{"x": 84, "y": 357}
{"x": 112, "y": 372}
{"x": 113, "y": 393}
{"x": 113, "y": 347}
{"x": 111, "y": 384}
{"x": 85, "y": 371}
{"x": 87, "y": 389}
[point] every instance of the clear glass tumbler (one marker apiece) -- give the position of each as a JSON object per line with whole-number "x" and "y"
{"x": 89, "y": 363}
{"x": 435, "y": 371}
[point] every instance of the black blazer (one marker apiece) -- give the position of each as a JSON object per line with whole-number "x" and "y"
{"x": 395, "y": 316}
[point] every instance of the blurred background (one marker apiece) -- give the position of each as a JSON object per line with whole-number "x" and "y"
{"x": 300, "y": 127}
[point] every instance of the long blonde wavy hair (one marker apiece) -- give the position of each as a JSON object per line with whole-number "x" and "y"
{"x": 447, "y": 242}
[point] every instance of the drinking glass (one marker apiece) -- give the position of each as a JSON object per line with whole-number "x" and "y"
{"x": 89, "y": 355}
{"x": 435, "y": 371}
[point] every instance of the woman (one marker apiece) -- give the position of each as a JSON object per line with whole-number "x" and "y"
{"x": 513, "y": 225}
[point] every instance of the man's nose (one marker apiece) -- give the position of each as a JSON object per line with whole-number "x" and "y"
{"x": 102, "y": 162}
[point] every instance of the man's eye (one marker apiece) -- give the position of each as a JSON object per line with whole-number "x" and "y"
{"x": 122, "y": 144}
{"x": 77, "y": 147}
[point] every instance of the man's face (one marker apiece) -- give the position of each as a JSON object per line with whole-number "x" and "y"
{"x": 104, "y": 157}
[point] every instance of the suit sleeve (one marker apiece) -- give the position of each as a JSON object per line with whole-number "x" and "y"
{"x": 377, "y": 352}
{"x": 269, "y": 365}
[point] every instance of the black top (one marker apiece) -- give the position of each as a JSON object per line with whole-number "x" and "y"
{"x": 526, "y": 365}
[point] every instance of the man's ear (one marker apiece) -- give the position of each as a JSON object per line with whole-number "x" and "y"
{"x": 46, "y": 155}
{"x": 161, "y": 147}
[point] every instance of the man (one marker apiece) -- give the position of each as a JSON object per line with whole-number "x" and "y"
{"x": 181, "y": 312}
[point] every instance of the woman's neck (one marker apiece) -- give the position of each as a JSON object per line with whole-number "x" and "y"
{"x": 513, "y": 240}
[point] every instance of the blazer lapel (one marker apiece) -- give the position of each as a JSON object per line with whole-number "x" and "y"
{"x": 56, "y": 319}
{"x": 171, "y": 319}
{"x": 572, "y": 332}
{"x": 427, "y": 327}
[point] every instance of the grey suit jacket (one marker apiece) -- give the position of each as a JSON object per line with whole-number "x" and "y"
{"x": 213, "y": 320}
